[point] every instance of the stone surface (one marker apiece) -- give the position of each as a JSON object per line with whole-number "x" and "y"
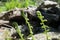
{"x": 48, "y": 4}
{"x": 6, "y": 32}
{"x": 51, "y": 36}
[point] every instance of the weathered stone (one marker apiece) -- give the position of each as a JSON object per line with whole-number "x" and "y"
{"x": 6, "y": 32}
{"x": 42, "y": 36}
{"x": 3, "y": 22}
{"x": 47, "y": 4}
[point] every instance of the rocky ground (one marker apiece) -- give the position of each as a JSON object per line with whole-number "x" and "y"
{"x": 50, "y": 11}
{"x": 52, "y": 36}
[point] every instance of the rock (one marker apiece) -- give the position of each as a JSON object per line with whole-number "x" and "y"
{"x": 5, "y": 33}
{"x": 54, "y": 10}
{"x": 32, "y": 10}
{"x": 47, "y": 4}
{"x": 11, "y": 13}
{"x": 42, "y": 36}
{"x": 55, "y": 39}
{"x": 3, "y": 22}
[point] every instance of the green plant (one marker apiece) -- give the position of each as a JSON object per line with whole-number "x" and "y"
{"x": 28, "y": 24}
{"x": 16, "y": 3}
{"x": 26, "y": 3}
{"x": 2, "y": 8}
{"x": 45, "y": 27}
{"x": 11, "y": 4}
{"x": 18, "y": 30}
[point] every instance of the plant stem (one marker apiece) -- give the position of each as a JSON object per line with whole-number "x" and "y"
{"x": 39, "y": 15}
{"x": 18, "y": 30}
{"x": 29, "y": 26}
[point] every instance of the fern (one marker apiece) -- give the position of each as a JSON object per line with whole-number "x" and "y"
{"x": 29, "y": 26}
{"x": 39, "y": 15}
{"x": 18, "y": 30}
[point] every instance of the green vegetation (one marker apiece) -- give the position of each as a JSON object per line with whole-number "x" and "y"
{"x": 18, "y": 30}
{"x": 45, "y": 27}
{"x": 11, "y": 4}
{"x": 29, "y": 26}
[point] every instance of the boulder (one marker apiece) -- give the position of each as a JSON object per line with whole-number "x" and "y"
{"x": 47, "y": 4}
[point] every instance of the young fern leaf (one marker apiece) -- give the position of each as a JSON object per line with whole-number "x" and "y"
{"x": 18, "y": 30}
{"x": 39, "y": 15}
{"x": 28, "y": 24}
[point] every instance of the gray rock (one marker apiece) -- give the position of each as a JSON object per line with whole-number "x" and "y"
{"x": 6, "y": 32}
{"x": 42, "y": 36}
{"x": 48, "y": 4}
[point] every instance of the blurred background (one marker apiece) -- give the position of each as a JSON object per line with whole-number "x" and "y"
{"x": 36, "y": 1}
{"x": 4, "y": 4}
